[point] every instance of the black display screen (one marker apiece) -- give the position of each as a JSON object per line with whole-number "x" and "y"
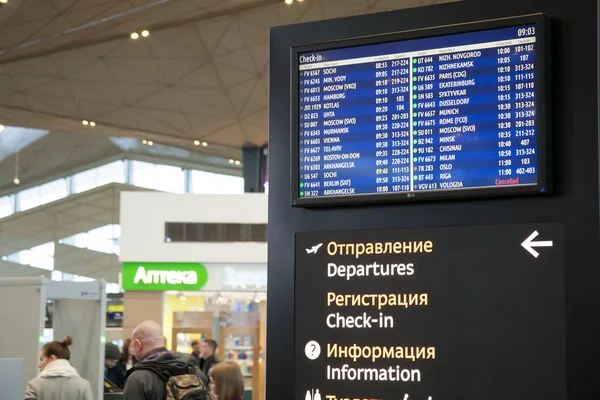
{"x": 467, "y": 313}
{"x": 440, "y": 115}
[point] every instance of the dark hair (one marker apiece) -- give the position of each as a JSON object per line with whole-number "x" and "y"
{"x": 125, "y": 354}
{"x": 213, "y": 344}
{"x": 195, "y": 342}
{"x": 58, "y": 349}
{"x": 228, "y": 379}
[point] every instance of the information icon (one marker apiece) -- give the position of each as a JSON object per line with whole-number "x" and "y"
{"x": 312, "y": 350}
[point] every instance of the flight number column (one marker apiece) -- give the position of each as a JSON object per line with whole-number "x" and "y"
{"x": 310, "y": 133}
{"x": 424, "y": 115}
{"x": 392, "y": 129}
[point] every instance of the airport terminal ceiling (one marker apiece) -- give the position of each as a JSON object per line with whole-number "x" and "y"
{"x": 199, "y": 77}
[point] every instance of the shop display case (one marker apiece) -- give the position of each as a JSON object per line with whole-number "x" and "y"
{"x": 189, "y": 326}
{"x": 239, "y": 342}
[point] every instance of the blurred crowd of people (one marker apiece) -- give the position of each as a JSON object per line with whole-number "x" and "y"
{"x": 144, "y": 369}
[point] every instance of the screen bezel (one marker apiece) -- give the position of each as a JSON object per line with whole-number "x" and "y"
{"x": 542, "y": 81}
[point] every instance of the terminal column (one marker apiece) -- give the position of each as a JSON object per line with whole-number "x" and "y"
{"x": 254, "y": 167}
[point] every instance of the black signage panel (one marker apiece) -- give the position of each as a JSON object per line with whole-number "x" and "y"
{"x": 463, "y": 313}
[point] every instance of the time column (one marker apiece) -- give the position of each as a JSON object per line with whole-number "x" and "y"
{"x": 392, "y": 125}
{"x": 310, "y": 133}
{"x": 382, "y": 126}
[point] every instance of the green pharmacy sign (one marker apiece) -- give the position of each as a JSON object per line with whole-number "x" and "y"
{"x": 156, "y": 276}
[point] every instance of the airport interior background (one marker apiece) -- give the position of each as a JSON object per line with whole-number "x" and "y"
{"x": 139, "y": 137}
{"x": 167, "y": 100}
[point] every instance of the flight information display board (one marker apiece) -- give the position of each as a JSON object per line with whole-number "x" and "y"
{"x": 446, "y": 115}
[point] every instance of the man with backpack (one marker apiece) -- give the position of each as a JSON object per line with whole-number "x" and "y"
{"x": 161, "y": 374}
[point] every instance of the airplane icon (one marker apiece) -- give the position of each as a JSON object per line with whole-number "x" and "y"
{"x": 314, "y": 249}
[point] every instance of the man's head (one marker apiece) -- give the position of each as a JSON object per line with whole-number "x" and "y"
{"x": 112, "y": 355}
{"x": 196, "y": 347}
{"x": 146, "y": 337}
{"x": 208, "y": 348}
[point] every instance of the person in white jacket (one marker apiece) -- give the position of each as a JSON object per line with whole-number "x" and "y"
{"x": 58, "y": 379}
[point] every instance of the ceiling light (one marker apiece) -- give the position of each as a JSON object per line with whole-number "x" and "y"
{"x": 145, "y": 33}
{"x": 204, "y": 144}
{"x": 181, "y": 298}
{"x": 16, "y": 181}
{"x": 231, "y": 161}
{"x": 1, "y": 127}
{"x": 144, "y": 141}
{"x": 237, "y": 162}
{"x": 150, "y": 142}
{"x": 197, "y": 142}
{"x": 289, "y": 1}
{"x": 135, "y": 35}
{"x": 3, "y": 1}
{"x": 92, "y": 123}
{"x": 85, "y": 122}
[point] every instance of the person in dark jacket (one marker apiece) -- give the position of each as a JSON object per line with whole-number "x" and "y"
{"x": 196, "y": 353}
{"x": 209, "y": 358}
{"x": 145, "y": 381}
{"x": 114, "y": 371}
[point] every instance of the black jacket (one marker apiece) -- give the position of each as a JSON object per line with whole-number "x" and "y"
{"x": 208, "y": 363}
{"x": 147, "y": 379}
{"x": 196, "y": 360}
{"x": 116, "y": 375}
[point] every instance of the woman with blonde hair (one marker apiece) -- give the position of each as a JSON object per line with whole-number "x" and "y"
{"x": 226, "y": 381}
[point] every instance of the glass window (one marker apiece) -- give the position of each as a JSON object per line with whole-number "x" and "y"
{"x": 42, "y": 194}
{"x": 143, "y": 174}
{"x": 113, "y": 288}
{"x": 6, "y": 206}
{"x": 209, "y": 183}
{"x": 174, "y": 232}
{"x": 95, "y": 177}
{"x": 29, "y": 198}
{"x": 169, "y": 179}
{"x": 85, "y": 180}
{"x": 41, "y": 256}
{"x": 104, "y": 239}
{"x": 111, "y": 173}
{"x": 56, "y": 275}
{"x": 158, "y": 177}
{"x": 53, "y": 191}
{"x": 78, "y": 278}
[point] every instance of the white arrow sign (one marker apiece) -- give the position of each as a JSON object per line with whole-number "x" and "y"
{"x": 529, "y": 244}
